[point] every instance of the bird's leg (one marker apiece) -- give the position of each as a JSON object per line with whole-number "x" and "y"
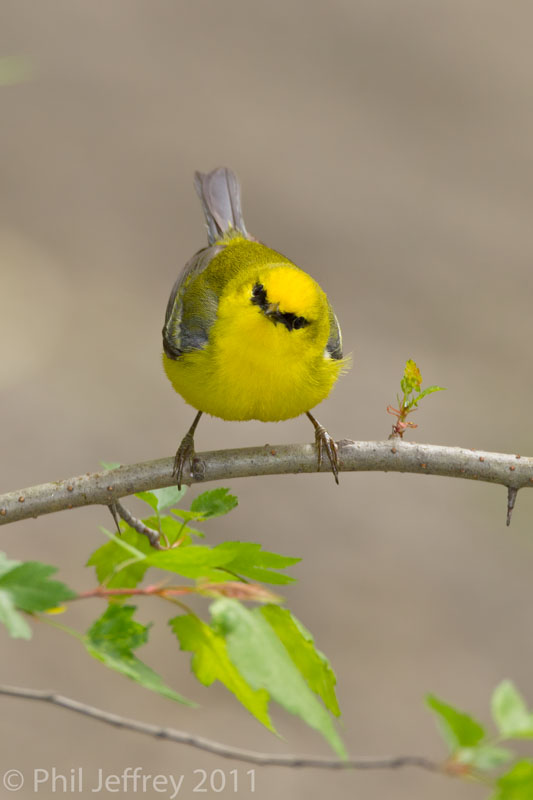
{"x": 185, "y": 451}
{"x": 324, "y": 441}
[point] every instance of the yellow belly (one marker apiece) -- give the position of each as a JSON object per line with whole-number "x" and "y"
{"x": 241, "y": 389}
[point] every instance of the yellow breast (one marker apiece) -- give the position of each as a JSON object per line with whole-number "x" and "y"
{"x": 253, "y": 368}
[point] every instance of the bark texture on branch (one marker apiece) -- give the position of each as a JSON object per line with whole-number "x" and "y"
{"x": 217, "y": 748}
{"x": 510, "y": 470}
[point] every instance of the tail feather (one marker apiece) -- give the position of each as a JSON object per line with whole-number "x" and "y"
{"x": 220, "y": 194}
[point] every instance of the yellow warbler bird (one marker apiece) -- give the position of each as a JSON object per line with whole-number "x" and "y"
{"x": 247, "y": 334}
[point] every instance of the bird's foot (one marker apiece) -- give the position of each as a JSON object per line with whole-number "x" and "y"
{"x": 325, "y": 443}
{"x": 185, "y": 453}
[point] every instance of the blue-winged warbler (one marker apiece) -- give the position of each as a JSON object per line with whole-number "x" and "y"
{"x": 247, "y": 334}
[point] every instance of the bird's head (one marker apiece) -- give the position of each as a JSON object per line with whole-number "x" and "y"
{"x": 289, "y": 299}
{"x": 283, "y": 309}
{"x": 277, "y": 311}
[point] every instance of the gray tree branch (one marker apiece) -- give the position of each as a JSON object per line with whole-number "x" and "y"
{"x": 512, "y": 471}
{"x": 219, "y": 749}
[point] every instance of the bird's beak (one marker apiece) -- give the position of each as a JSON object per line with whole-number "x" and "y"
{"x": 272, "y": 309}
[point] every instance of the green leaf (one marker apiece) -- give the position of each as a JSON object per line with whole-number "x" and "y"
{"x": 15, "y": 623}
{"x": 31, "y": 589}
{"x": 193, "y": 561}
{"x": 300, "y": 645}
{"x": 213, "y": 503}
{"x": 458, "y": 729}
{"x": 235, "y": 558}
{"x": 108, "y": 559}
{"x": 412, "y": 379}
{"x": 427, "y": 391}
{"x": 122, "y": 541}
{"x": 6, "y": 564}
{"x": 264, "y": 662}
{"x": 26, "y": 586}
{"x": 160, "y": 499}
{"x": 484, "y": 757}
{"x": 249, "y": 561}
{"x": 131, "y": 549}
{"x": 210, "y": 663}
{"x": 150, "y": 498}
{"x": 173, "y": 529}
{"x": 112, "y": 639}
{"x": 510, "y": 712}
{"x": 517, "y": 784}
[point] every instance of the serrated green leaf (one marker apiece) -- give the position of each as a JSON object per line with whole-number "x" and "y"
{"x": 484, "y": 757}
{"x": 210, "y": 663}
{"x": 250, "y": 561}
{"x": 262, "y": 575}
{"x": 412, "y": 379}
{"x": 129, "y": 549}
{"x": 510, "y": 712}
{"x": 251, "y": 554}
{"x": 112, "y": 639}
{"x": 517, "y": 784}
{"x": 122, "y": 541}
{"x": 458, "y": 729}
{"x": 187, "y": 516}
{"x": 427, "y": 391}
{"x": 26, "y": 586}
{"x": 160, "y": 499}
{"x": 264, "y": 662}
{"x": 244, "y": 559}
{"x": 193, "y": 561}
{"x": 213, "y": 503}
{"x": 31, "y": 589}
{"x": 300, "y": 645}
{"x": 116, "y": 632}
{"x": 14, "y": 621}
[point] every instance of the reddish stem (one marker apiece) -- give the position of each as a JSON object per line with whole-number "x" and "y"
{"x": 161, "y": 591}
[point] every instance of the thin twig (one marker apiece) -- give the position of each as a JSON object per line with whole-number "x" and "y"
{"x": 241, "y": 590}
{"x": 219, "y": 749}
{"x": 147, "y": 591}
{"x": 390, "y": 456}
{"x": 137, "y": 524}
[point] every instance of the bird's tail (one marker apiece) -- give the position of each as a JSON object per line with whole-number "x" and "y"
{"x": 220, "y": 194}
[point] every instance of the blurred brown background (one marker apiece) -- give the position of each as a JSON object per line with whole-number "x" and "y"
{"x": 387, "y": 148}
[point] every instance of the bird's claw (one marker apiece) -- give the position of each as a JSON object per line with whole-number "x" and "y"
{"x": 325, "y": 442}
{"x": 185, "y": 452}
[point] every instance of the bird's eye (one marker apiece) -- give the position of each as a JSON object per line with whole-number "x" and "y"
{"x": 299, "y": 322}
{"x": 258, "y": 288}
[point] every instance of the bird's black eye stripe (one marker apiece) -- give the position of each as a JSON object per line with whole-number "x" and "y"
{"x": 259, "y": 295}
{"x": 290, "y": 320}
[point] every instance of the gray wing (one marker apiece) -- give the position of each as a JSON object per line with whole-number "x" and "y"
{"x": 184, "y": 330}
{"x": 334, "y": 343}
{"x": 187, "y": 321}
